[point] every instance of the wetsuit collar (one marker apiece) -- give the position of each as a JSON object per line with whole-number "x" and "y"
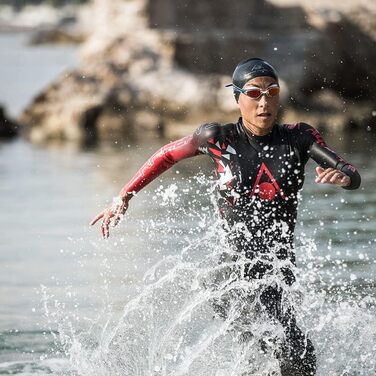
{"x": 258, "y": 142}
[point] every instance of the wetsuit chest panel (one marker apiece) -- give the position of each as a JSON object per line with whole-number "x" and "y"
{"x": 269, "y": 170}
{"x": 265, "y": 172}
{"x": 256, "y": 173}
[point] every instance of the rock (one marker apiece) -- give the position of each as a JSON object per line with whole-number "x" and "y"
{"x": 149, "y": 66}
{"x": 206, "y": 38}
{"x": 55, "y": 35}
{"x": 33, "y": 17}
{"x": 8, "y": 128}
{"x": 59, "y": 112}
{"x": 343, "y": 62}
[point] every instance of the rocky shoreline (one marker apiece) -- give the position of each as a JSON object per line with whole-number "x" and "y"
{"x": 155, "y": 68}
{"x": 8, "y": 127}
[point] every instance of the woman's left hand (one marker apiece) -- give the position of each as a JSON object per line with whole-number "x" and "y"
{"x": 332, "y": 176}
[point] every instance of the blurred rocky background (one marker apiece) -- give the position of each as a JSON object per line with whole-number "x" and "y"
{"x": 157, "y": 68}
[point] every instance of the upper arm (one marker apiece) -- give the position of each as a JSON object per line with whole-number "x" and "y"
{"x": 307, "y": 136}
{"x": 189, "y": 146}
{"x": 311, "y": 144}
{"x": 205, "y": 132}
{"x": 164, "y": 158}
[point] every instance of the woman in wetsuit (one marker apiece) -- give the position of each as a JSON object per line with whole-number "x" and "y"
{"x": 260, "y": 169}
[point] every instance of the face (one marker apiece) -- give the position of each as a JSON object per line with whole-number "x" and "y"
{"x": 259, "y": 114}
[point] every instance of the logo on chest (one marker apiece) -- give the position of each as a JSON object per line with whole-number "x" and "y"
{"x": 266, "y": 187}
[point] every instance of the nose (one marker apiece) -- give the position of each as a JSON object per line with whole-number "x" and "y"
{"x": 263, "y": 100}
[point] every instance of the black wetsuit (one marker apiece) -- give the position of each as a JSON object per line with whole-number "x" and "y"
{"x": 259, "y": 179}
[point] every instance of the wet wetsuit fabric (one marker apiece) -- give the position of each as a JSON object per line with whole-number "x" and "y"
{"x": 309, "y": 140}
{"x": 259, "y": 179}
{"x": 162, "y": 160}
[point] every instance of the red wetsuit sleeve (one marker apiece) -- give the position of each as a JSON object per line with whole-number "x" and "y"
{"x": 161, "y": 161}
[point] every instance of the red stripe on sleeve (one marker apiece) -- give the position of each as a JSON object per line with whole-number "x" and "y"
{"x": 161, "y": 161}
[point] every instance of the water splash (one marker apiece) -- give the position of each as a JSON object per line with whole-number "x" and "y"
{"x": 195, "y": 315}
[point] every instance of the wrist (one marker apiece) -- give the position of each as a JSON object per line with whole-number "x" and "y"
{"x": 125, "y": 196}
{"x": 119, "y": 201}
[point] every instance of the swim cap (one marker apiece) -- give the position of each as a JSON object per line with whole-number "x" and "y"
{"x": 248, "y": 69}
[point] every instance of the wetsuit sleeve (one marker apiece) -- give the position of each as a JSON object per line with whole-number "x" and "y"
{"x": 163, "y": 159}
{"x": 317, "y": 149}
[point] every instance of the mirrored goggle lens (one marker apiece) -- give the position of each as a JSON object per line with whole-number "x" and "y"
{"x": 273, "y": 91}
{"x": 256, "y": 93}
{"x": 253, "y": 93}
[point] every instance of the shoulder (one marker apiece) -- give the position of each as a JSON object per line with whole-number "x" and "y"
{"x": 304, "y": 132}
{"x": 208, "y": 131}
{"x": 296, "y": 127}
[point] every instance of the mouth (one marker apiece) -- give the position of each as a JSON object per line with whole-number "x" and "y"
{"x": 264, "y": 115}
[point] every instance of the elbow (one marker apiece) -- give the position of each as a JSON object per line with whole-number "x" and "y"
{"x": 167, "y": 157}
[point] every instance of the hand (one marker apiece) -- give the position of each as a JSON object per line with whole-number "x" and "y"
{"x": 112, "y": 215}
{"x": 332, "y": 176}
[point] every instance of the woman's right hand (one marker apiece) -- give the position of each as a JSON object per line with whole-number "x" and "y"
{"x": 112, "y": 215}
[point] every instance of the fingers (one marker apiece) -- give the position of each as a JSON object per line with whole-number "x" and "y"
{"x": 115, "y": 220}
{"x": 97, "y": 218}
{"x": 120, "y": 210}
{"x": 326, "y": 175}
{"x": 110, "y": 217}
{"x": 345, "y": 181}
{"x": 335, "y": 177}
{"x": 320, "y": 173}
{"x": 331, "y": 176}
{"x": 118, "y": 214}
{"x": 323, "y": 174}
{"x": 319, "y": 170}
{"x": 105, "y": 227}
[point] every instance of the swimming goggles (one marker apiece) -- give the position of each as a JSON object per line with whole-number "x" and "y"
{"x": 255, "y": 92}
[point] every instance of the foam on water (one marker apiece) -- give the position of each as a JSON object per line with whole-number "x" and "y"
{"x": 194, "y": 315}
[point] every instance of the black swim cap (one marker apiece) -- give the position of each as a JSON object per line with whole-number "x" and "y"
{"x": 251, "y": 68}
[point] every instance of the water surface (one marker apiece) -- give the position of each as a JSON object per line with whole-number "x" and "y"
{"x": 58, "y": 274}
{"x": 25, "y": 70}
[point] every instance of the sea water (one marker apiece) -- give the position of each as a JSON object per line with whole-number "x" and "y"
{"x": 143, "y": 302}
{"x": 25, "y": 70}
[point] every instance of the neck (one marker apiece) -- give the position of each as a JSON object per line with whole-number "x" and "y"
{"x": 256, "y": 131}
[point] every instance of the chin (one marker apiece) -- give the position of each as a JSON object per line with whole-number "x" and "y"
{"x": 265, "y": 125}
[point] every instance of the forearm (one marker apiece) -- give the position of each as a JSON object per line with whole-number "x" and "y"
{"x": 327, "y": 158}
{"x": 159, "y": 162}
